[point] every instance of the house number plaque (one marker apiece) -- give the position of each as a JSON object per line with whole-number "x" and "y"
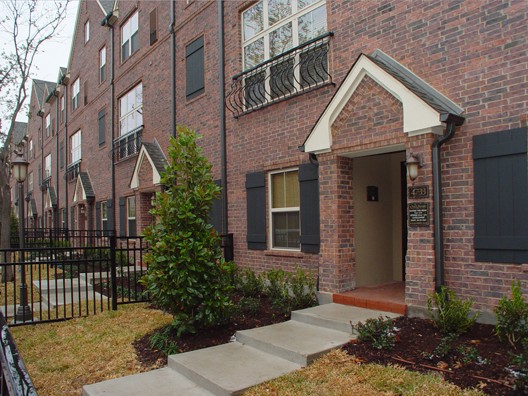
{"x": 419, "y": 214}
{"x": 416, "y": 192}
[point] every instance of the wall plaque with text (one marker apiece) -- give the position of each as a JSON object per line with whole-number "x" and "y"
{"x": 415, "y": 192}
{"x": 419, "y": 214}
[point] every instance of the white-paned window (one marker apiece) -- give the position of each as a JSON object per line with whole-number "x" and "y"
{"x": 131, "y": 110}
{"x": 48, "y": 125}
{"x": 102, "y": 64}
{"x": 129, "y": 37}
{"x": 104, "y": 216}
{"x": 62, "y": 108}
{"x": 75, "y": 144}
{"x": 131, "y": 215}
{"x": 30, "y": 150}
{"x": 86, "y": 32}
{"x": 284, "y": 201}
{"x": 76, "y": 92}
{"x": 47, "y": 167}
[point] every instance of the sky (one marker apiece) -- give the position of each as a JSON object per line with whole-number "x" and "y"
{"x": 53, "y": 54}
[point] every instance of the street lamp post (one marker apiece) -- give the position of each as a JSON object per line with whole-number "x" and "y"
{"x": 20, "y": 166}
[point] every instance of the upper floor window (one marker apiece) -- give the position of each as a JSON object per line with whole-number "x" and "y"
{"x": 272, "y": 27}
{"x": 102, "y": 64}
{"x": 194, "y": 68}
{"x": 86, "y": 32}
{"x": 129, "y": 37}
{"x": 31, "y": 153}
{"x": 47, "y": 167}
{"x": 75, "y": 144}
{"x": 48, "y": 125}
{"x": 285, "y": 210}
{"x": 131, "y": 110}
{"x": 62, "y": 108}
{"x": 153, "y": 26}
{"x": 76, "y": 91}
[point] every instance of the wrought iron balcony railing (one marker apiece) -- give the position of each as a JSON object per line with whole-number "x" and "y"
{"x": 72, "y": 171}
{"x": 127, "y": 145}
{"x": 293, "y": 72}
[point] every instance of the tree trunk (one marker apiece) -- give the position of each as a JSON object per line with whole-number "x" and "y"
{"x": 5, "y": 213}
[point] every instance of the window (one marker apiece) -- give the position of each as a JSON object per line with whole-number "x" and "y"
{"x": 131, "y": 216}
{"x": 129, "y": 37}
{"x": 31, "y": 153}
{"x": 285, "y": 206}
{"x": 102, "y": 127}
{"x": 131, "y": 110}
{"x": 47, "y": 167}
{"x": 104, "y": 216}
{"x": 30, "y": 182}
{"x": 272, "y": 27}
{"x": 48, "y": 125}
{"x": 86, "y": 32}
{"x": 102, "y": 64}
{"x": 62, "y": 109}
{"x": 63, "y": 218}
{"x": 153, "y": 26}
{"x": 75, "y": 144}
{"x": 76, "y": 90}
{"x": 194, "y": 68}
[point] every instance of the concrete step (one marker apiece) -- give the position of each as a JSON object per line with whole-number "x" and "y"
{"x": 230, "y": 369}
{"x": 162, "y": 382}
{"x": 61, "y": 285}
{"x": 337, "y": 316}
{"x": 295, "y": 341}
{"x": 54, "y": 300}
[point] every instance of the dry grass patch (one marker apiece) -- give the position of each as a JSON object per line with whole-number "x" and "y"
{"x": 62, "y": 357}
{"x": 337, "y": 374}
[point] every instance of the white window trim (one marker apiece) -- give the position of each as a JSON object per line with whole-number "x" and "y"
{"x": 47, "y": 166}
{"x": 48, "y": 125}
{"x": 129, "y": 217}
{"x": 76, "y": 151}
{"x": 76, "y": 92}
{"x": 135, "y": 108}
{"x": 271, "y": 210}
{"x": 104, "y": 216}
{"x": 62, "y": 107}
{"x": 102, "y": 64}
{"x": 128, "y": 37}
{"x": 86, "y": 32}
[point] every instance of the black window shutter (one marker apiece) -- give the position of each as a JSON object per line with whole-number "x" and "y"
{"x": 102, "y": 127}
{"x": 122, "y": 216}
{"x": 98, "y": 216}
{"x": 153, "y": 26}
{"x": 215, "y": 214}
{"x": 110, "y": 214}
{"x": 61, "y": 155}
{"x": 256, "y": 210}
{"x": 40, "y": 175}
{"x": 309, "y": 194}
{"x": 501, "y": 193}
{"x": 194, "y": 68}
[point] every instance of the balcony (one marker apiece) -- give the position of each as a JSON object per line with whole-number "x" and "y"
{"x": 127, "y": 145}
{"x": 72, "y": 171}
{"x": 294, "y": 72}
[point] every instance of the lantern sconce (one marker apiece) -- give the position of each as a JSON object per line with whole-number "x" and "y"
{"x": 413, "y": 162}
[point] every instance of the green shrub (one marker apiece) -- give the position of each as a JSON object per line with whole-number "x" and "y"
{"x": 278, "y": 290}
{"x": 302, "y": 287}
{"x": 187, "y": 276}
{"x": 161, "y": 340}
{"x": 512, "y": 316}
{"x": 380, "y": 333}
{"x": 248, "y": 283}
{"x": 519, "y": 368}
{"x": 249, "y": 305}
{"x": 450, "y": 314}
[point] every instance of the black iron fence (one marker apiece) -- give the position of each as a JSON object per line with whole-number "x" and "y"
{"x": 14, "y": 378}
{"x": 62, "y": 274}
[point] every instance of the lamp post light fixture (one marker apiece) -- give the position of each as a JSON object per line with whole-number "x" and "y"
{"x": 19, "y": 166}
{"x": 413, "y": 162}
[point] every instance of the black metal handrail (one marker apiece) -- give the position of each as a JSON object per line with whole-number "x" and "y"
{"x": 15, "y": 379}
{"x": 295, "y": 71}
{"x": 127, "y": 145}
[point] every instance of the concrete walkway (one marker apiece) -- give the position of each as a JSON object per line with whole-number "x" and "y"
{"x": 256, "y": 356}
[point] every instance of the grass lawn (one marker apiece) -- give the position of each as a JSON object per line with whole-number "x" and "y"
{"x": 62, "y": 357}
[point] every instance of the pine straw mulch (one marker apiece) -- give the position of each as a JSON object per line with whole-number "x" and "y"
{"x": 416, "y": 341}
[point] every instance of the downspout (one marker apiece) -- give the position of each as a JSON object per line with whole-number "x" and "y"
{"x": 451, "y": 121}
{"x": 43, "y": 170}
{"x": 66, "y": 197}
{"x": 57, "y": 160}
{"x": 109, "y": 22}
{"x": 223, "y": 149}
{"x": 173, "y": 69}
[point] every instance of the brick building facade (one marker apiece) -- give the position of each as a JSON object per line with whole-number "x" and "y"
{"x": 309, "y": 111}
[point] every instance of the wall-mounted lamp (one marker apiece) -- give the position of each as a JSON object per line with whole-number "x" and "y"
{"x": 413, "y": 162}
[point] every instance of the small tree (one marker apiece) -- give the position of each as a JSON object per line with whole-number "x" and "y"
{"x": 187, "y": 275}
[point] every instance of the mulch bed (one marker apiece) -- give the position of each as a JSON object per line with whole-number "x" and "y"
{"x": 416, "y": 341}
{"x": 209, "y": 337}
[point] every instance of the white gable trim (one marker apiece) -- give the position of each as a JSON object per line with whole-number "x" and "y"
{"x": 79, "y": 194}
{"x": 418, "y": 117}
{"x": 156, "y": 177}
{"x": 48, "y": 204}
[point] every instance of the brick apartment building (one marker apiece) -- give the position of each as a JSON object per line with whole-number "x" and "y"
{"x": 310, "y": 112}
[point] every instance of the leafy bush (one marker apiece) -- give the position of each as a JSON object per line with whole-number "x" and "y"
{"x": 450, "y": 314}
{"x": 187, "y": 275}
{"x": 380, "y": 333}
{"x": 519, "y": 370}
{"x": 512, "y": 316}
{"x": 278, "y": 290}
{"x": 161, "y": 340}
{"x": 249, "y": 305}
{"x": 248, "y": 283}
{"x": 302, "y": 287}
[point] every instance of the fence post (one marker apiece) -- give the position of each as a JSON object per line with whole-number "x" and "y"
{"x": 113, "y": 274}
